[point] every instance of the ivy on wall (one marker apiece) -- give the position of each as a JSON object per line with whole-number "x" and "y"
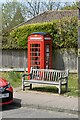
{"x": 64, "y": 33}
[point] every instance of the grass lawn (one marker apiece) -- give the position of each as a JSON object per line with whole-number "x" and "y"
{"x": 15, "y": 79}
{"x": 73, "y": 85}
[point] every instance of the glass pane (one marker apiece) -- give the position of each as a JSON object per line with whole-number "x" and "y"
{"x": 36, "y": 67}
{"x": 47, "y": 66}
{"x": 34, "y": 45}
{"x": 47, "y": 48}
{"x": 47, "y": 54}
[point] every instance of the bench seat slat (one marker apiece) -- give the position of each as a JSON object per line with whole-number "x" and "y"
{"x": 43, "y": 82}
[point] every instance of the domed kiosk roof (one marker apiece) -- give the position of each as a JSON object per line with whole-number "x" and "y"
{"x": 39, "y": 33}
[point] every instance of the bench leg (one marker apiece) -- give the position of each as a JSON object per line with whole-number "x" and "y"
{"x": 30, "y": 86}
{"x": 23, "y": 86}
{"x": 66, "y": 87}
{"x": 66, "y": 84}
{"x": 59, "y": 87}
{"x": 59, "y": 90}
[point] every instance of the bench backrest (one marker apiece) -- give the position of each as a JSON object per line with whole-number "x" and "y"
{"x": 48, "y": 74}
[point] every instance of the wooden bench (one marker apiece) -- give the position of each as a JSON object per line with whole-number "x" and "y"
{"x": 57, "y": 78}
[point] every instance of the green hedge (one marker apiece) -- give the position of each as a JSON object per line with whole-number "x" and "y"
{"x": 64, "y": 33}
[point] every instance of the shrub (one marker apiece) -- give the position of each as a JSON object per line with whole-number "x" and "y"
{"x": 64, "y": 33}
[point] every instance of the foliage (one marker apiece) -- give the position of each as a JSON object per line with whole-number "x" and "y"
{"x": 13, "y": 13}
{"x": 64, "y": 33}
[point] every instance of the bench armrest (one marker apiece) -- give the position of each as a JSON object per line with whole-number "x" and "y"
{"x": 63, "y": 77}
{"x": 26, "y": 75}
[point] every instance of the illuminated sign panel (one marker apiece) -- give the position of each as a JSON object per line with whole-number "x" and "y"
{"x": 47, "y": 38}
{"x": 35, "y": 38}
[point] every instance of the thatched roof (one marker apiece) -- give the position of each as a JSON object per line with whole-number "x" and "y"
{"x": 49, "y": 16}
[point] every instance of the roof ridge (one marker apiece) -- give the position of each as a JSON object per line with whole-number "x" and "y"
{"x": 59, "y": 10}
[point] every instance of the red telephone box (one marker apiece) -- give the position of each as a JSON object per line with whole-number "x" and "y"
{"x": 39, "y": 51}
